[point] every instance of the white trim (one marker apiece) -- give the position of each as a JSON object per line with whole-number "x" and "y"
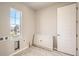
{"x": 43, "y": 47}
{"x": 18, "y": 51}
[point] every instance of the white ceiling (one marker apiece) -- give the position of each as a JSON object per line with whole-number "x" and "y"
{"x": 38, "y": 5}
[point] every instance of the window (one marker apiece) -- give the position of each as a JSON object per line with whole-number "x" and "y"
{"x": 15, "y": 21}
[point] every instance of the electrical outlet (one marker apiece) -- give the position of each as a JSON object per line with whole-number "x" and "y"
{"x": 1, "y": 38}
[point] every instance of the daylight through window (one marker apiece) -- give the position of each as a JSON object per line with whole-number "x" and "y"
{"x": 15, "y": 21}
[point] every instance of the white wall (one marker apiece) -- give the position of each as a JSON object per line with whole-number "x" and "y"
{"x": 46, "y": 24}
{"x": 46, "y": 21}
{"x": 28, "y": 24}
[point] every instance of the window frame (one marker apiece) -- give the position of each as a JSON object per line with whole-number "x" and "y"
{"x": 20, "y": 25}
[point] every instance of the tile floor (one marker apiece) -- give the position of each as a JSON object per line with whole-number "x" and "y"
{"x": 35, "y": 51}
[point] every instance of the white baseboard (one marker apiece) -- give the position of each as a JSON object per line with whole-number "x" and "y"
{"x": 43, "y": 47}
{"x": 18, "y": 51}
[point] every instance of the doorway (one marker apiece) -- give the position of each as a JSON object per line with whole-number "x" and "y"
{"x": 66, "y": 29}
